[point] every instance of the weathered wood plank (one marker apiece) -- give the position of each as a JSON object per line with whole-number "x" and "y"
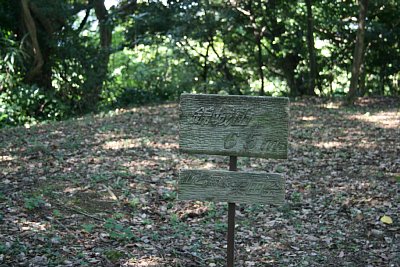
{"x": 232, "y": 187}
{"x": 234, "y": 125}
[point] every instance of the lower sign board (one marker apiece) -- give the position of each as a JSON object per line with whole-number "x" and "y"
{"x": 232, "y": 187}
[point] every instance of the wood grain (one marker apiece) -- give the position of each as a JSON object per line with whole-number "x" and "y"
{"x": 234, "y": 125}
{"x": 232, "y": 187}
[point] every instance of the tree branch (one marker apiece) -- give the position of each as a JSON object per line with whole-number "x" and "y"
{"x": 127, "y": 8}
{"x": 188, "y": 54}
{"x": 83, "y": 22}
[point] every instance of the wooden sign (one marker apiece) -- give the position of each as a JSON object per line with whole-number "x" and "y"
{"x": 233, "y": 187}
{"x": 234, "y": 125}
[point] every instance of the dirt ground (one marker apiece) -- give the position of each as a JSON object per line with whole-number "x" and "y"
{"x": 101, "y": 191}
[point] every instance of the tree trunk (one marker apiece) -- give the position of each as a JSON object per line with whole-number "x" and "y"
{"x": 382, "y": 79}
{"x": 260, "y": 65}
{"x": 358, "y": 52}
{"x": 30, "y": 25}
{"x": 205, "y": 68}
{"x": 288, "y": 65}
{"x": 105, "y": 30}
{"x": 311, "y": 49}
{"x": 40, "y": 29}
{"x": 363, "y": 74}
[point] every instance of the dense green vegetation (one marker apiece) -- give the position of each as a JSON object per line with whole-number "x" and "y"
{"x": 65, "y": 57}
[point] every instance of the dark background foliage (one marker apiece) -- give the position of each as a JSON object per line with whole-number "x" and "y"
{"x": 61, "y": 58}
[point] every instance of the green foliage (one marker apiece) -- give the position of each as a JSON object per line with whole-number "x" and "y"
{"x": 114, "y": 255}
{"x": 134, "y": 202}
{"x": 33, "y": 202}
{"x": 168, "y": 195}
{"x": 22, "y": 103}
{"x": 4, "y": 198}
{"x": 11, "y": 59}
{"x": 88, "y": 227}
{"x": 153, "y": 73}
{"x": 296, "y": 198}
{"x": 28, "y": 104}
{"x": 220, "y": 226}
{"x": 118, "y": 231}
{"x": 3, "y": 249}
{"x": 76, "y": 72}
{"x": 57, "y": 213}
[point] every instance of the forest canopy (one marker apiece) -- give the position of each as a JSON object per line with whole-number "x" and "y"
{"x": 66, "y": 57}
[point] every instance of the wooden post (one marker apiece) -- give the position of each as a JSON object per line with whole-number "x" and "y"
{"x": 234, "y": 126}
{"x": 231, "y": 220}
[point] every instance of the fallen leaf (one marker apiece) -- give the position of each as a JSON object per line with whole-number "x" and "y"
{"x": 386, "y": 219}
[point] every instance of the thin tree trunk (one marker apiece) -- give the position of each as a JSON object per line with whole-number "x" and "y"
{"x": 382, "y": 80}
{"x": 358, "y": 52}
{"x": 105, "y": 30}
{"x": 260, "y": 64}
{"x": 363, "y": 74}
{"x": 205, "y": 68}
{"x": 311, "y": 49}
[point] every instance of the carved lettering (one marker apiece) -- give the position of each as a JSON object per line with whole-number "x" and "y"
{"x": 234, "y": 187}
{"x": 252, "y": 141}
{"x": 270, "y": 145}
{"x": 253, "y": 188}
{"x": 223, "y": 116}
{"x": 231, "y": 140}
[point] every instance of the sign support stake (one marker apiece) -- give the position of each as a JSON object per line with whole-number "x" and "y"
{"x": 231, "y": 220}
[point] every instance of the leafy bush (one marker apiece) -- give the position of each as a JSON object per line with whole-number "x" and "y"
{"x": 21, "y": 103}
{"x": 28, "y": 104}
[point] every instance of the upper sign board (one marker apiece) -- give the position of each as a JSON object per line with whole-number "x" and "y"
{"x": 248, "y": 126}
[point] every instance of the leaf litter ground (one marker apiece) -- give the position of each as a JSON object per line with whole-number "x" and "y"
{"x": 100, "y": 191}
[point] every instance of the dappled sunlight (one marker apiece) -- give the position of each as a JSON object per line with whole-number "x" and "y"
{"x": 333, "y": 105}
{"x": 209, "y": 166}
{"x": 365, "y": 144}
{"x": 144, "y": 262}
{"x": 103, "y": 194}
{"x": 309, "y": 122}
{"x": 140, "y": 142}
{"x": 192, "y": 209}
{"x": 167, "y": 146}
{"x": 33, "y": 226}
{"x": 123, "y": 144}
{"x": 387, "y": 120}
{"x": 330, "y": 144}
{"x": 142, "y": 110}
{"x": 73, "y": 190}
{"x": 309, "y": 118}
{"x": 7, "y": 158}
{"x": 141, "y": 165}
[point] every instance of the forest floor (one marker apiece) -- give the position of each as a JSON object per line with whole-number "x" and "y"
{"x": 100, "y": 191}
